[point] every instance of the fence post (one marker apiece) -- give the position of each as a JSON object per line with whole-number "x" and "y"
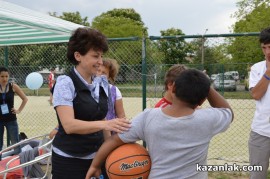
{"x": 144, "y": 72}
{"x": 6, "y": 56}
{"x": 222, "y": 70}
{"x": 144, "y": 75}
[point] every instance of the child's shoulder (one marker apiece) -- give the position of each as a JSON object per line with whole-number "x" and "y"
{"x": 151, "y": 111}
{"x": 147, "y": 110}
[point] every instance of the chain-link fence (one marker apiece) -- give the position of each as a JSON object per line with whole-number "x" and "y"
{"x": 141, "y": 82}
{"x": 230, "y": 79}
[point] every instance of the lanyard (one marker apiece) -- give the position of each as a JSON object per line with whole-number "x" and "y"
{"x": 4, "y": 94}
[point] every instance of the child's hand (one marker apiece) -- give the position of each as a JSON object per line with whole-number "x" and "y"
{"x": 93, "y": 172}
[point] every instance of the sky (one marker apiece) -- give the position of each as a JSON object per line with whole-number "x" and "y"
{"x": 193, "y": 17}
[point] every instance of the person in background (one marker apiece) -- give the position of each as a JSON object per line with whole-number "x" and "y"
{"x": 175, "y": 131}
{"x": 51, "y": 81}
{"x": 170, "y": 77}
{"x": 110, "y": 69}
{"x": 8, "y": 118}
{"x": 259, "y": 139}
{"x": 81, "y": 104}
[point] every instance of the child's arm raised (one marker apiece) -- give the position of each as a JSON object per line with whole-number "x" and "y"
{"x": 218, "y": 101}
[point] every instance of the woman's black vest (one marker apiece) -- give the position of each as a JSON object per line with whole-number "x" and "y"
{"x": 86, "y": 109}
{"x": 9, "y": 100}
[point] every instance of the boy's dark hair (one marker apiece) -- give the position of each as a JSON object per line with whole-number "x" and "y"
{"x": 172, "y": 73}
{"x": 265, "y": 36}
{"x": 3, "y": 69}
{"x": 82, "y": 40}
{"x": 192, "y": 86}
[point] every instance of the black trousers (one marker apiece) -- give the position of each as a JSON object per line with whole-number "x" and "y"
{"x": 71, "y": 168}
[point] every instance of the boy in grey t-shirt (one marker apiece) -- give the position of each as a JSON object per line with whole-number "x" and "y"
{"x": 177, "y": 136}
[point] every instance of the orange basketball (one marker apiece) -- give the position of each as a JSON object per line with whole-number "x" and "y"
{"x": 128, "y": 161}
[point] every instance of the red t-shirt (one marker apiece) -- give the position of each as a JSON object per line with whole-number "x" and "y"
{"x": 51, "y": 80}
{"x": 162, "y": 103}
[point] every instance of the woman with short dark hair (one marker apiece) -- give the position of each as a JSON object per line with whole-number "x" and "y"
{"x": 81, "y": 104}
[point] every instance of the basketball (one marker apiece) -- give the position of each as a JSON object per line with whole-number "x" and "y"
{"x": 128, "y": 161}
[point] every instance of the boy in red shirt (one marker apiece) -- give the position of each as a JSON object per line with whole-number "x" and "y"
{"x": 170, "y": 77}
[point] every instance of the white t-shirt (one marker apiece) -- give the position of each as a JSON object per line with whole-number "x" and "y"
{"x": 261, "y": 120}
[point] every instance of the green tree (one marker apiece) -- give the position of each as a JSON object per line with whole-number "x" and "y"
{"x": 213, "y": 53}
{"x": 120, "y": 23}
{"x": 253, "y": 16}
{"x": 175, "y": 50}
{"x": 123, "y": 23}
{"x": 43, "y": 55}
{"x": 245, "y": 7}
{"x": 74, "y": 17}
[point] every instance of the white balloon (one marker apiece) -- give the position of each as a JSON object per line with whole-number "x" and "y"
{"x": 34, "y": 81}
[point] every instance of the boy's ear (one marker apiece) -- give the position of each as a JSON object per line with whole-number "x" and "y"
{"x": 171, "y": 87}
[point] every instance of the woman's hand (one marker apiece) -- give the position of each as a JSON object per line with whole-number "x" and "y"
{"x": 15, "y": 111}
{"x": 117, "y": 125}
{"x": 93, "y": 173}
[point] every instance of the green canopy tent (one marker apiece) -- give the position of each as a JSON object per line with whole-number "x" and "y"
{"x": 19, "y": 25}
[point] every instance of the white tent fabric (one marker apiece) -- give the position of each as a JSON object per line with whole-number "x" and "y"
{"x": 19, "y": 25}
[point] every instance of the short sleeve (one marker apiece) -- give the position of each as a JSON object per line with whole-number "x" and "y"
{"x": 221, "y": 120}
{"x": 64, "y": 91}
{"x": 256, "y": 73}
{"x": 253, "y": 77}
{"x": 118, "y": 93}
{"x": 136, "y": 132}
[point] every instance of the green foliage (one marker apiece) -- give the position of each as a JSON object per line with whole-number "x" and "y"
{"x": 253, "y": 16}
{"x": 245, "y": 7}
{"x": 176, "y": 49}
{"x": 120, "y": 23}
{"x": 214, "y": 53}
{"x": 74, "y": 17}
{"x": 114, "y": 27}
{"x": 125, "y": 13}
{"x": 220, "y": 54}
{"x": 42, "y": 55}
{"x": 154, "y": 55}
{"x": 125, "y": 52}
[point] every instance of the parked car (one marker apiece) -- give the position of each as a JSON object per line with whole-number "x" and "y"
{"x": 213, "y": 77}
{"x": 235, "y": 74}
{"x": 226, "y": 82}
